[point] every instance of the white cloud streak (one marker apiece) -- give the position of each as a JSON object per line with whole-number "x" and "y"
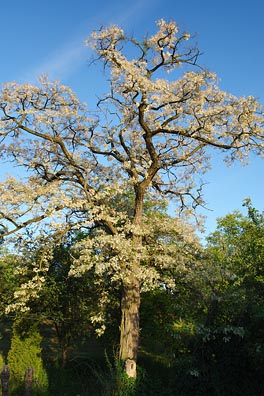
{"x": 63, "y": 62}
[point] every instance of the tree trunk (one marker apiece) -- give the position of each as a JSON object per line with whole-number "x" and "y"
{"x": 5, "y": 374}
{"x": 130, "y": 300}
{"x": 65, "y": 351}
{"x": 129, "y": 330}
{"x": 29, "y": 376}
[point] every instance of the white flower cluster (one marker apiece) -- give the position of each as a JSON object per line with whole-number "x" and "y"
{"x": 101, "y": 174}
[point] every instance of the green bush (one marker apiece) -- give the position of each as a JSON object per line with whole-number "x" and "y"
{"x": 25, "y": 352}
{"x": 113, "y": 381}
{"x": 2, "y": 362}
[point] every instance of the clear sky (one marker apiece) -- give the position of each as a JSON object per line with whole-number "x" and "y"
{"x": 48, "y": 37}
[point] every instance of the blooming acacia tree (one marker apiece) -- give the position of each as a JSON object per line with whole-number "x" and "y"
{"x": 153, "y": 136}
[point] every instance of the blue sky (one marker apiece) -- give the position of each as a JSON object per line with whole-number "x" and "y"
{"x": 48, "y": 37}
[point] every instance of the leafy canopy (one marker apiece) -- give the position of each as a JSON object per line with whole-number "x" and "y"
{"x": 151, "y": 136}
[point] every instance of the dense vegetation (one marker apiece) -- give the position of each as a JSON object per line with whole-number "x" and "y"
{"x": 203, "y": 338}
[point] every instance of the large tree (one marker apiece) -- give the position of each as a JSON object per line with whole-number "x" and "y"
{"x": 150, "y": 139}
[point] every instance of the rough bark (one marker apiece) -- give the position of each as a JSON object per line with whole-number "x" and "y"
{"x": 29, "y": 376}
{"x": 129, "y": 329}
{"x": 130, "y": 300}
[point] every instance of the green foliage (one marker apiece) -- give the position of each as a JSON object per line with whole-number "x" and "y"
{"x": 64, "y": 303}
{"x": 237, "y": 248}
{"x": 25, "y": 352}
{"x": 114, "y": 381}
{"x": 231, "y": 341}
{"x": 2, "y": 362}
{"x": 208, "y": 334}
{"x": 8, "y": 278}
{"x": 205, "y": 337}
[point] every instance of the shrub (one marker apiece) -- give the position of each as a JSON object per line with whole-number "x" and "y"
{"x": 25, "y": 352}
{"x": 2, "y": 362}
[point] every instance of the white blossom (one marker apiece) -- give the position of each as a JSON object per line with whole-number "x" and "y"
{"x": 149, "y": 141}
